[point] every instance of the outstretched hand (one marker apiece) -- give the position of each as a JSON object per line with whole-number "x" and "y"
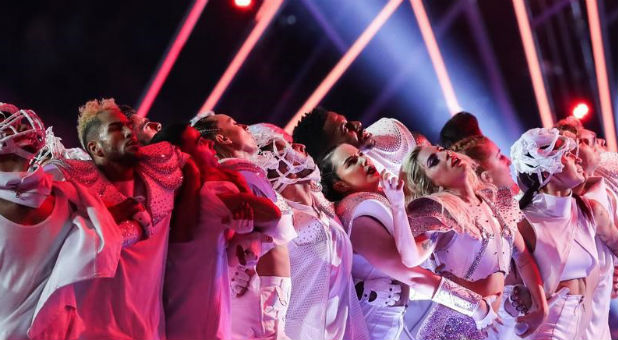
{"x": 393, "y": 188}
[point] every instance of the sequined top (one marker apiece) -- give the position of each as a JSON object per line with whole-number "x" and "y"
{"x": 365, "y": 204}
{"x": 393, "y": 141}
{"x": 473, "y": 242}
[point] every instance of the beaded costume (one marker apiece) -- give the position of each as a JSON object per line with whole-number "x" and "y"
{"x": 473, "y": 242}
{"x": 139, "y": 277}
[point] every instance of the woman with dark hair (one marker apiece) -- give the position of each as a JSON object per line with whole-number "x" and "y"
{"x": 561, "y": 230}
{"x": 472, "y": 232}
{"x": 386, "y": 256}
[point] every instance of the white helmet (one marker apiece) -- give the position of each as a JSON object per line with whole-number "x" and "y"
{"x": 14, "y": 137}
{"x": 281, "y": 151}
{"x": 535, "y": 152}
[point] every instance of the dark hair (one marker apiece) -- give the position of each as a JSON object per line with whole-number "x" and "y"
{"x": 127, "y": 110}
{"x": 460, "y": 126}
{"x": 171, "y": 133}
{"x": 310, "y": 132}
{"x": 530, "y": 181}
{"x": 328, "y": 172}
{"x": 208, "y": 128}
{"x": 91, "y": 132}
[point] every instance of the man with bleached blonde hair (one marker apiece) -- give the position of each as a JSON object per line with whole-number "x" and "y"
{"x": 144, "y": 183}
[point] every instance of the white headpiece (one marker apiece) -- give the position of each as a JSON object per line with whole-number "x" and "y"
{"x": 535, "y": 152}
{"x": 270, "y": 158}
{"x": 199, "y": 116}
{"x": 13, "y": 137}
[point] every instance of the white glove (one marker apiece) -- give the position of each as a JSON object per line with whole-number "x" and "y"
{"x": 240, "y": 277}
{"x": 406, "y": 245}
{"x": 491, "y": 315}
{"x": 245, "y": 249}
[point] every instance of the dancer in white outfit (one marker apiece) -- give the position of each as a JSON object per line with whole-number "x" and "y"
{"x": 386, "y": 255}
{"x": 561, "y": 230}
{"x": 323, "y": 303}
{"x": 595, "y": 188}
{"x": 259, "y": 302}
{"x": 52, "y": 236}
{"x": 473, "y": 234}
{"x": 196, "y": 290}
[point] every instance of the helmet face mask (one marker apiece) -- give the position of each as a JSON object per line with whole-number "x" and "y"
{"x": 21, "y": 133}
{"x": 540, "y": 151}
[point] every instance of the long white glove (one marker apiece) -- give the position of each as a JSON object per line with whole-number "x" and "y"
{"x": 406, "y": 245}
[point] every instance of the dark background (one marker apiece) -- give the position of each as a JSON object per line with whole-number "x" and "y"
{"x": 56, "y": 55}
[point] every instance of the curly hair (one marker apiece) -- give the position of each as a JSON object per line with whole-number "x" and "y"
{"x": 88, "y": 121}
{"x": 310, "y": 132}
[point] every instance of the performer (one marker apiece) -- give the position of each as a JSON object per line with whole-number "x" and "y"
{"x": 561, "y": 229}
{"x": 196, "y": 289}
{"x": 386, "y": 141}
{"x": 259, "y": 302}
{"x": 473, "y": 234}
{"x": 386, "y": 255}
{"x": 52, "y": 235}
{"x": 323, "y": 303}
{"x": 124, "y": 175}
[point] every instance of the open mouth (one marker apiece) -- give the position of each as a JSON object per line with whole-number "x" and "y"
{"x": 455, "y": 161}
{"x": 371, "y": 170}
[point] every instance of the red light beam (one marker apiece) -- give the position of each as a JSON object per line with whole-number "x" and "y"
{"x": 170, "y": 58}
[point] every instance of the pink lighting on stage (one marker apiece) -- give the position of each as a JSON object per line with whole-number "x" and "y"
{"x": 172, "y": 54}
{"x": 435, "y": 55}
{"x": 532, "y": 58}
{"x": 242, "y": 3}
{"x": 580, "y": 110}
{"x": 598, "y": 50}
{"x": 345, "y": 62}
{"x": 263, "y": 18}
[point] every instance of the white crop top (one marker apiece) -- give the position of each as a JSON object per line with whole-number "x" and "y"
{"x": 579, "y": 262}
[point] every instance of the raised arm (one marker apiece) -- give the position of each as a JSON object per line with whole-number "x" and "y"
{"x": 371, "y": 240}
{"x": 412, "y": 252}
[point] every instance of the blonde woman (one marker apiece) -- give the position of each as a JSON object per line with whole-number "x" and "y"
{"x": 473, "y": 234}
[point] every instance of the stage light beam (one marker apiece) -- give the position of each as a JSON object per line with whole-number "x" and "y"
{"x": 344, "y": 63}
{"x": 242, "y": 3}
{"x": 266, "y": 13}
{"x": 170, "y": 58}
{"x": 534, "y": 67}
{"x": 435, "y": 55}
{"x": 598, "y": 51}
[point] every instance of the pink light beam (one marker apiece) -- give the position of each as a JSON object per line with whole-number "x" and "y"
{"x": 436, "y": 56}
{"x": 344, "y": 63}
{"x": 598, "y": 50}
{"x": 170, "y": 59}
{"x": 533, "y": 63}
{"x": 263, "y": 18}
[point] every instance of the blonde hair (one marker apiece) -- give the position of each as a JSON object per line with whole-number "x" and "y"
{"x": 88, "y": 114}
{"x": 418, "y": 184}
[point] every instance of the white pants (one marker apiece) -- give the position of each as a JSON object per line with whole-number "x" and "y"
{"x": 383, "y": 323}
{"x": 563, "y": 321}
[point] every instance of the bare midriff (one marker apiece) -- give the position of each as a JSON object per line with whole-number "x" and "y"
{"x": 575, "y": 286}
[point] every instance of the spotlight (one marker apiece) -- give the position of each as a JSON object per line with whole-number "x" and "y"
{"x": 242, "y": 3}
{"x": 581, "y": 110}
